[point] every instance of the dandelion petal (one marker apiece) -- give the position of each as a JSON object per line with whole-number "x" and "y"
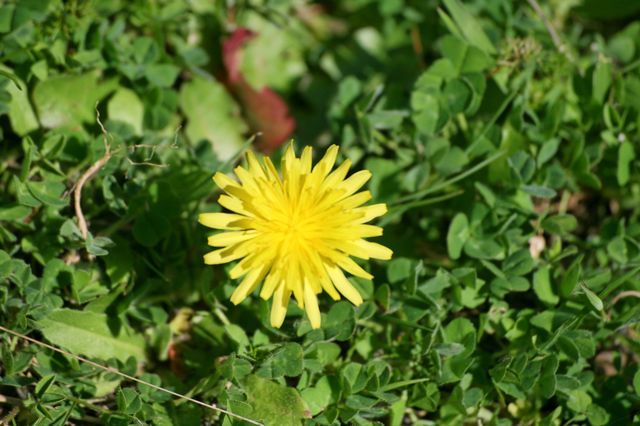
{"x": 279, "y": 305}
{"x": 344, "y": 286}
{"x": 295, "y": 231}
{"x": 311, "y": 306}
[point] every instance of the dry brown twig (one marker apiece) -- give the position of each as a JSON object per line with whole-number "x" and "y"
{"x": 624, "y": 294}
{"x": 95, "y": 168}
{"x": 618, "y": 297}
{"x": 86, "y": 176}
{"x": 555, "y": 37}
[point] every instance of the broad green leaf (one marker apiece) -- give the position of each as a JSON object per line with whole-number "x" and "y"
{"x": 449, "y": 349}
{"x": 522, "y": 166}
{"x": 349, "y": 89}
{"x": 13, "y": 213}
{"x": 466, "y": 58}
{"x": 583, "y": 341}
{"x": 128, "y": 401}
{"x": 597, "y": 415}
{"x": 568, "y": 347}
{"x": 161, "y": 75}
{"x": 469, "y": 26}
{"x": 145, "y": 50}
{"x": 539, "y": 191}
{"x": 161, "y": 105}
{"x": 472, "y": 397}
{"x": 487, "y": 194}
{"x": 567, "y": 383}
{"x": 119, "y": 263}
{"x": 542, "y": 286}
{"x": 383, "y": 296}
{"x": 49, "y": 193}
{"x": 579, "y": 401}
{"x": 483, "y": 248}
{"x": 617, "y": 249}
{"x": 126, "y": 106}
{"x": 478, "y": 85}
{"x": 595, "y": 301}
{"x": 547, "y": 381}
{"x": 560, "y": 224}
{"x": 339, "y": 322}
{"x": 96, "y": 246}
{"x": 238, "y": 335}
{"x": 457, "y": 235}
{"x": 519, "y": 263}
{"x": 457, "y": 95}
{"x": 601, "y": 80}
{"x": 411, "y": 283}
{"x": 399, "y": 269}
{"x": 212, "y": 115}
{"x": 318, "y": 397}
{"x": 452, "y": 161}
{"x": 501, "y": 286}
{"x": 21, "y": 115}
{"x": 385, "y": 179}
{"x": 544, "y": 320}
{"x": 43, "y": 385}
{"x": 353, "y": 378}
{"x": 88, "y": 333}
{"x": 6, "y": 15}
{"x": 285, "y": 361}
{"x": 461, "y": 331}
{"x": 29, "y": 154}
{"x": 622, "y": 47}
{"x": 571, "y": 276}
{"x": 324, "y": 352}
{"x": 275, "y": 56}
{"x": 626, "y": 155}
{"x": 547, "y": 151}
{"x": 384, "y": 120}
{"x": 85, "y": 285}
{"x": 274, "y": 404}
{"x": 426, "y": 111}
{"x": 69, "y": 100}
{"x": 235, "y": 368}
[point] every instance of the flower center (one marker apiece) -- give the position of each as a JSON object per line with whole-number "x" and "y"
{"x": 295, "y": 229}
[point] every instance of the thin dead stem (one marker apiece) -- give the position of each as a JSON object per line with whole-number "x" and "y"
{"x": 112, "y": 370}
{"x": 6, "y": 420}
{"x": 555, "y": 37}
{"x": 86, "y": 176}
{"x": 95, "y": 168}
{"x": 145, "y": 163}
{"x": 625, "y": 294}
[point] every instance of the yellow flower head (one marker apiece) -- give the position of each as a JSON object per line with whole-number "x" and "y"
{"x": 295, "y": 233}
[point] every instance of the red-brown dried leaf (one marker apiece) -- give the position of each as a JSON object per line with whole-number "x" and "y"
{"x": 264, "y": 109}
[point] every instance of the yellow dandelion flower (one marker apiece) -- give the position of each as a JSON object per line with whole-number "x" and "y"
{"x": 295, "y": 233}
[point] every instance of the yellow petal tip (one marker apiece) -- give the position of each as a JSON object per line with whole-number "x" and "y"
{"x": 294, "y": 231}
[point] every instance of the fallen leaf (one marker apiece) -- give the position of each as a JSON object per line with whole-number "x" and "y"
{"x": 265, "y": 111}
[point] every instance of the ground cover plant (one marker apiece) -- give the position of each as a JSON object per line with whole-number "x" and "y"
{"x": 501, "y": 135}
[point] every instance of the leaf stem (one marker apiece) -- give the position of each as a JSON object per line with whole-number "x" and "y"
{"x": 451, "y": 181}
{"x": 95, "y": 168}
